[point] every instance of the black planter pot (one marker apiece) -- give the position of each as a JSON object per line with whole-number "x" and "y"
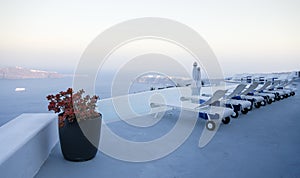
{"x": 79, "y": 142}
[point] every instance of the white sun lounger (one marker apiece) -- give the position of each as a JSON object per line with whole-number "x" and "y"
{"x": 191, "y": 103}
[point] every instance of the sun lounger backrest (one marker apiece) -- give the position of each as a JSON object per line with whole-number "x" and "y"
{"x": 237, "y": 90}
{"x": 215, "y": 97}
{"x": 286, "y": 83}
{"x": 250, "y": 88}
{"x": 274, "y": 85}
{"x": 282, "y": 83}
{"x": 268, "y": 83}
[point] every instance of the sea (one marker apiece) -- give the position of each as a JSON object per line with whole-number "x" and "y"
{"x": 33, "y": 99}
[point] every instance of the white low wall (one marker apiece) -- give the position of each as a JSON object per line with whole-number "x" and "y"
{"x": 25, "y": 144}
{"x": 138, "y": 104}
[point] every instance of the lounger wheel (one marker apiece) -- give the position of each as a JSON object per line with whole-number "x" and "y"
{"x": 249, "y": 109}
{"x": 235, "y": 115}
{"x": 244, "y": 111}
{"x": 269, "y": 101}
{"x": 277, "y": 98}
{"x": 226, "y": 120}
{"x": 257, "y": 105}
{"x": 210, "y": 125}
{"x": 263, "y": 103}
{"x": 293, "y": 93}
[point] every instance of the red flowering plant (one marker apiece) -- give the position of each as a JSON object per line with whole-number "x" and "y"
{"x": 71, "y": 106}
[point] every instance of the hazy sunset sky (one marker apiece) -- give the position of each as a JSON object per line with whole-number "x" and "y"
{"x": 246, "y": 36}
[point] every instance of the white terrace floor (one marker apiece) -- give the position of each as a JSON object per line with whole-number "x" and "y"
{"x": 263, "y": 143}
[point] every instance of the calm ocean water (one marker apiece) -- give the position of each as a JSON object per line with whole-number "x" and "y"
{"x": 33, "y": 100}
{"x": 14, "y": 103}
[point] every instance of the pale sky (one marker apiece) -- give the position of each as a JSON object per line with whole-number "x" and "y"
{"x": 246, "y": 36}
